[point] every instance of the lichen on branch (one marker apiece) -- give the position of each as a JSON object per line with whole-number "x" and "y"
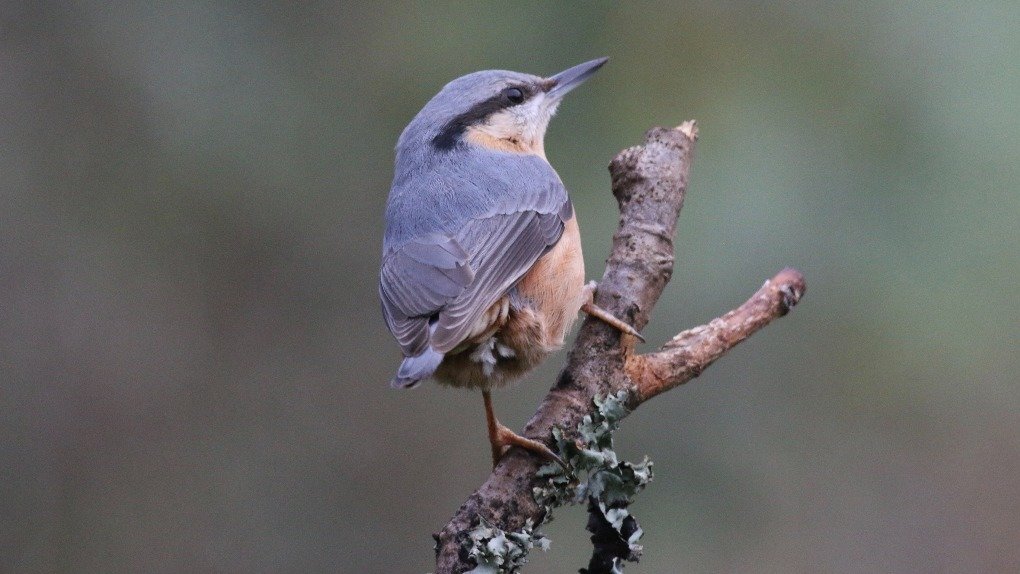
{"x": 608, "y": 484}
{"x": 596, "y": 476}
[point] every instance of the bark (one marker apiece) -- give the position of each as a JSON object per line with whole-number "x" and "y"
{"x": 649, "y": 182}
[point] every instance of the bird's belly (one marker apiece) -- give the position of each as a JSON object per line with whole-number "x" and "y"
{"x": 555, "y": 284}
{"x": 506, "y": 345}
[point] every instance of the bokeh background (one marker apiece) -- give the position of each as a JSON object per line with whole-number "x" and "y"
{"x": 193, "y": 369}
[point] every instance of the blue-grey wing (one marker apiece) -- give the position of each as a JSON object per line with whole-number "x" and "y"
{"x": 461, "y": 230}
{"x": 418, "y": 280}
{"x": 435, "y": 288}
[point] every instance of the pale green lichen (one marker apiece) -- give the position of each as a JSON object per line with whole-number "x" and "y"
{"x": 598, "y": 477}
{"x": 608, "y": 484}
{"x": 606, "y": 478}
{"x": 498, "y": 552}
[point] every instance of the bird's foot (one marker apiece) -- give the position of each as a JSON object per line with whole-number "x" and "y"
{"x": 505, "y": 438}
{"x": 601, "y": 314}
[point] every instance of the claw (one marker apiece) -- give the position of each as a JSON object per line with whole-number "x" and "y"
{"x": 505, "y": 438}
{"x": 605, "y": 316}
{"x": 501, "y": 438}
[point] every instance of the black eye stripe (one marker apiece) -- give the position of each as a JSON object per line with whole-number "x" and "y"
{"x": 449, "y": 136}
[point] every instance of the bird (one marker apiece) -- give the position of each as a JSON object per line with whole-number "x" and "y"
{"x": 482, "y": 274}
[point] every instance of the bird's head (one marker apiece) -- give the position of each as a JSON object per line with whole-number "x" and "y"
{"x": 494, "y": 109}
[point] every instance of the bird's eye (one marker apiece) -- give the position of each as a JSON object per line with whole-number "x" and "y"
{"x": 514, "y": 95}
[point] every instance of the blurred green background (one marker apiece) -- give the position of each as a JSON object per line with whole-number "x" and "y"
{"x": 194, "y": 367}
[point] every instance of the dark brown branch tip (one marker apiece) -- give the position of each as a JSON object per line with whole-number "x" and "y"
{"x": 790, "y": 283}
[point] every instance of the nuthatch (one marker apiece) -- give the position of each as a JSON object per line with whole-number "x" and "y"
{"x": 482, "y": 274}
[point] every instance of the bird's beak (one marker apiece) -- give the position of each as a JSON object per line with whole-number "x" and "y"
{"x": 571, "y": 78}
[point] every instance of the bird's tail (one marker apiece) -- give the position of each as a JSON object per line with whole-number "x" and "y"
{"x": 415, "y": 369}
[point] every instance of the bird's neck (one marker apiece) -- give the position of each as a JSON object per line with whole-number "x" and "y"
{"x": 492, "y": 137}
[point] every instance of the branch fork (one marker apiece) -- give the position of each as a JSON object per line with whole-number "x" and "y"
{"x": 649, "y": 182}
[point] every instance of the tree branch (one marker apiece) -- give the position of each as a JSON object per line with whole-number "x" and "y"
{"x": 684, "y": 356}
{"x": 649, "y": 183}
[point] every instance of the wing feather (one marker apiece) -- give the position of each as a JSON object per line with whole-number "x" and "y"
{"x": 438, "y": 304}
{"x": 449, "y": 256}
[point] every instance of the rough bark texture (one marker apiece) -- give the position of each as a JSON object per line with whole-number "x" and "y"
{"x": 649, "y": 182}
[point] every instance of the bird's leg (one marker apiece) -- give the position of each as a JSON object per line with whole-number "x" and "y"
{"x": 594, "y": 310}
{"x": 502, "y": 438}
